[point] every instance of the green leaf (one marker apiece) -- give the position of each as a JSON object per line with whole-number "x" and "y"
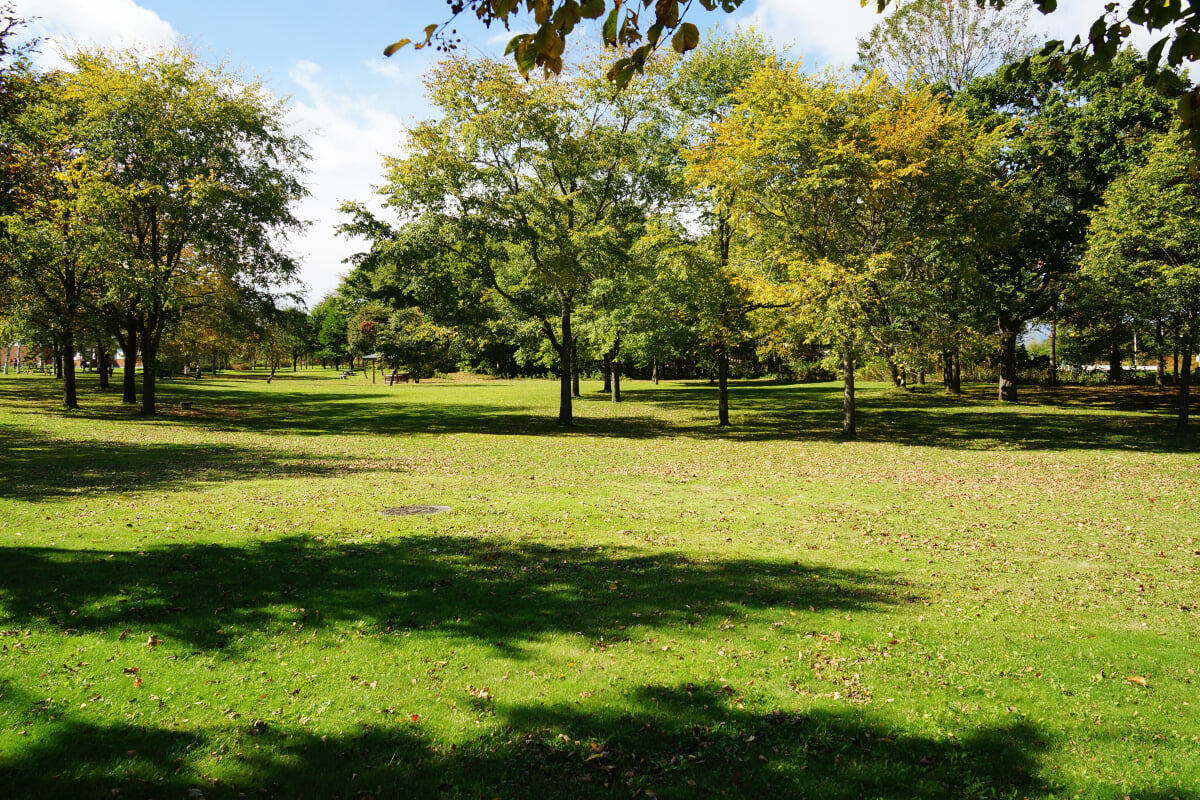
{"x": 592, "y": 9}
{"x": 687, "y": 37}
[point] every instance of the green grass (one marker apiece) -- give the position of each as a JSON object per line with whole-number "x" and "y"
{"x": 643, "y": 605}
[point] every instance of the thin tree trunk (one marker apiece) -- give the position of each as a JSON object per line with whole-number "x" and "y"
{"x": 615, "y": 365}
{"x": 1160, "y": 372}
{"x": 957, "y": 358}
{"x": 607, "y": 369}
{"x": 723, "y": 385}
{"x": 566, "y": 370}
{"x": 849, "y": 425}
{"x": 1185, "y": 386}
{"x": 66, "y": 345}
{"x": 1054, "y": 353}
{"x": 654, "y": 372}
{"x": 1008, "y": 361}
{"x": 920, "y": 377}
{"x": 575, "y": 369}
{"x": 103, "y": 361}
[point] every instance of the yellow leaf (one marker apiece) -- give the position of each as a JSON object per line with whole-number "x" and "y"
{"x": 1138, "y": 679}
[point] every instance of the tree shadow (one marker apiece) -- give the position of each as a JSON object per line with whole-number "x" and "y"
{"x": 1136, "y": 418}
{"x": 1060, "y": 418}
{"x": 505, "y": 595}
{"x": 682, "y": 741}
{"x": 34, "y": 467}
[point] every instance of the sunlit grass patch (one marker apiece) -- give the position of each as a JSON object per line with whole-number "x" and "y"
{"x": 973, "y": 600}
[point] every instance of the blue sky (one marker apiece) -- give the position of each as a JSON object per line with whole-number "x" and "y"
{"x": 352, "y": 104}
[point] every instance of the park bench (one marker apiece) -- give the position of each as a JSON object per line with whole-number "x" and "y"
{"x": 393, "y": 379}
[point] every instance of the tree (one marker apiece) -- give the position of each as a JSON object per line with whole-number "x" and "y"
{"x": 835, "y": 181}
{"x": 703, "y": 92}
{"x": 637, "y": 27}
{"x": 1144, "y": 248}
{"x": 55, "y": 247}
{"x": 947, "y": 42}
{"x": 200, "y": 174}
{"x": 1067, "y": 140}
{"x": 535, "y": 188}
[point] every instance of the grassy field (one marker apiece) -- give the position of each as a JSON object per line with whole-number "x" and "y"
{"x": 969, "y": 601}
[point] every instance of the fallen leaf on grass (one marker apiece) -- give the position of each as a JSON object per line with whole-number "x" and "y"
{"x": 1138, "y": 679}
{"x": 153, "y": 641}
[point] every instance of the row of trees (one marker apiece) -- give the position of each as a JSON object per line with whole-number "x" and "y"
{"x": 141, "y": 192}
{"x": 732, "y": 200}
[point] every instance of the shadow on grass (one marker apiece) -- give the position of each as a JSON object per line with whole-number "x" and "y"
{"x": 1063, "y": 418}
{"x": 216, "y": 597}
{"x": 34, "y": 467}
{"x": 670, "y": 742}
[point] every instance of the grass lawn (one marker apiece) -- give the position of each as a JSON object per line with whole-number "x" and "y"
{"x": 969, "y": 601}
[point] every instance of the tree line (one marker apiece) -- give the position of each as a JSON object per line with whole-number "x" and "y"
{"x": 925, "y": 209}
{"x": 144, "y": 203}
{"x": 722, "y": 214}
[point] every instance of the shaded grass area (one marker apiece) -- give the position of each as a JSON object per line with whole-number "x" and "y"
{"x": 955, "y": 606}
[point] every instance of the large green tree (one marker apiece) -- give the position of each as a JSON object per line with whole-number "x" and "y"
{"x": 837, "y": 180}
{"x": 535, "y": 188}
{"x": 56, "y": 248}
{"x": 1066, "y": 141}
{"x": 1144, "y": 248}
{"x": 201, "y": 174}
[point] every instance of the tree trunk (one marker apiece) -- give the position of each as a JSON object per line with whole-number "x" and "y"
{"x": 920, "y": 377}
{"x": 1054, "y": 353}
{"x": 1008, "y": 361}
{"x": 103, "y": 361}
{"x": 849, "y": 427}
{"x": 723, "y": 385}
{"x": 566, "y": 366}
{"x": 1160, "y": 372}
{"x": 58, "y": 362}
{"x": 607, "y": 369}
{"x": 615, "y": 364}
{"x": 948, "y": 370}
{"x": 575, "y": 369}
{"x": 66, "y": 358}
{"x": 127, "y": 340}
{"x": 654, "y": 372}
{"x": 1114, "y": 359}
{"x": 1185, "y": 386}
{"x": 149, "y": 376}
{"x": 957, "y": 358}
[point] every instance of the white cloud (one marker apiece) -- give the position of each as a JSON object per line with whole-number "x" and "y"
{"x": 67, "y": 24}
{"x": 347, "y": 137}
{"x": 393, "y": 72}
{"x": 824, "y": 32}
